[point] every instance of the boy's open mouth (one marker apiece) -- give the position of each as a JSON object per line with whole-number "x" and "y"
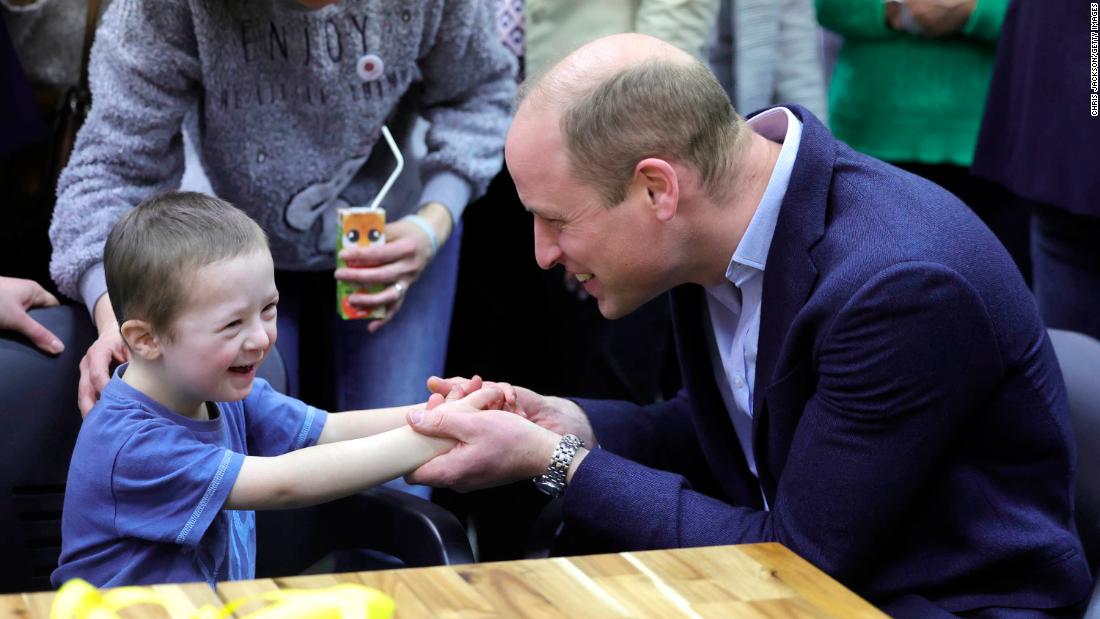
{"x": 242, "y": 369}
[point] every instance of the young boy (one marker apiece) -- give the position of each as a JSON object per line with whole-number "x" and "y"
{"x": 185, "y": 442}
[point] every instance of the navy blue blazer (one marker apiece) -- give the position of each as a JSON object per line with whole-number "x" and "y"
{"x": 911, "y": 428}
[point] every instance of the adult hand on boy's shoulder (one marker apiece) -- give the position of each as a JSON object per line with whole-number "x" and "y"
{"x": 95, "y": 367}
{"x": 16, "y": 297}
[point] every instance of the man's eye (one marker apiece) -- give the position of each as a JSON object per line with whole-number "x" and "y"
{"x": 270, "y": 307}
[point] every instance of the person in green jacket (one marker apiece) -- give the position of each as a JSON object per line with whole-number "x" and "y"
{"x": 909, "y": 87}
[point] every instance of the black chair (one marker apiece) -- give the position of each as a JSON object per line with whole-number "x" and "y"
{"x": 1079, "y": 357}
{"x": 38, "y": 408}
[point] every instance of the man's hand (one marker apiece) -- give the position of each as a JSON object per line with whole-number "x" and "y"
{"x": 939, "y": 18}
{"x": 16, "y": 297}
{"x": 494, "y": 447}
{"x": 558, "y": 415}
{"x": 396, "y": 264}
{"x": 95, "y": 367}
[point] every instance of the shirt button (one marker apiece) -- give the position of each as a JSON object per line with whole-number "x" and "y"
{"x": 740, "y": 382}
{"x": 369, "y": 67}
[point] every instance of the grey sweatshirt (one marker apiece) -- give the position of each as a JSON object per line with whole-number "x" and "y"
{"x": 289, "y": 105}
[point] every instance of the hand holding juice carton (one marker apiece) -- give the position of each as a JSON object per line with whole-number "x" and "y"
{"x": 364, "y": 226}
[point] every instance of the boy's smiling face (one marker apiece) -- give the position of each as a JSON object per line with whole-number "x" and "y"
{"x": 222, "y": 334}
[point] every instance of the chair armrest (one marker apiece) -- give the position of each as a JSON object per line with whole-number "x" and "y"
{"x": 418, "y": 532}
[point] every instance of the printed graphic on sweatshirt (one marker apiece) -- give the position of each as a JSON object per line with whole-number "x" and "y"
{"x": 321, "y": 199}
{"x": 304, "y": 59}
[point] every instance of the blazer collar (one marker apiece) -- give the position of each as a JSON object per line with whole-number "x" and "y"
{"x": 790, "y": 274}
{"x": 788, "y": 280}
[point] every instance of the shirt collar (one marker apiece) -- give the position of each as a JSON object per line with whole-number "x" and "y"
{"x": 781, "y": 125}
{"x": 124, "y": 393}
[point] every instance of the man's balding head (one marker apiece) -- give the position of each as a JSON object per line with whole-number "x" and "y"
{"x": 594, "y": 63}
{"x": 626, "y": 97}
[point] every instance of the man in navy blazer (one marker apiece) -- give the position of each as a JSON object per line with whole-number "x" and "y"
{"x": 866, "y": 378}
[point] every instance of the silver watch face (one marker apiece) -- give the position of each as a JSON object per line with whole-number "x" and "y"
{"x": 547, "y": 486}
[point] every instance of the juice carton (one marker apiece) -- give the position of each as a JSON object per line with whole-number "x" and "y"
{"x": 359, "y": 226}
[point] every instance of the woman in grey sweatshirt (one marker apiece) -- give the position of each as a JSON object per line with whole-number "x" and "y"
{"x": 285, "y": 100}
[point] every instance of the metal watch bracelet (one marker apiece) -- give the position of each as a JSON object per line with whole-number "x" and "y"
{"x": 552, "y": 482}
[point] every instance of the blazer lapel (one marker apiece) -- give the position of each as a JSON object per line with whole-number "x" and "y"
{"x": 716, "y": 435}
{"x": 790, "y": 272}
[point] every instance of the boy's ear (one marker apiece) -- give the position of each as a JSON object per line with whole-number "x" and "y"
{"x": 139, "y": 336}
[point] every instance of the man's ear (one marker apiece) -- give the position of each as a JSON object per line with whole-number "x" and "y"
{"x": 662, "y": 186}
{"x": 139, "y": 336}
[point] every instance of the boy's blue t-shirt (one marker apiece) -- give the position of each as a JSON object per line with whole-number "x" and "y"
{"x": 143, "y": 503}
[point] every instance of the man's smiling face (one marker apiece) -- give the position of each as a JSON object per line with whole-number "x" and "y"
{"x": 611, "y": 251}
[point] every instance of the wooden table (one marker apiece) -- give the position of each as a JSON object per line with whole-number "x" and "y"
{"x": 758, "y": 580}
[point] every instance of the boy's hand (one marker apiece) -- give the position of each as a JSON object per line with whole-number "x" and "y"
{"x": 95, "y": 367}
{"x": 16, "y": 297}
{"x": 556, "y": 414}
{"x": 476, "y": 385}
{"x": 454, "y": 388}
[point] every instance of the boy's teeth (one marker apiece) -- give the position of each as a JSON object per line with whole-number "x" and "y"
{"x": 583, "y": 277}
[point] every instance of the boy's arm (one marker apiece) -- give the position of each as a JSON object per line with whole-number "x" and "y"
{"x": 327, "y": 472}
{"x": 357, "y": 424}
{"x": 350, "y": 425}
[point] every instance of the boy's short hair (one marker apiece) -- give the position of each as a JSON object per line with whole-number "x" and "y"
{"x": 155, "y": 248}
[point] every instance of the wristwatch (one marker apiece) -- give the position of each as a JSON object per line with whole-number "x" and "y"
{"x": 552, "y": 482}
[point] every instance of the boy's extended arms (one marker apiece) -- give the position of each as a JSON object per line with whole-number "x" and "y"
{"x": 327, "y": 472}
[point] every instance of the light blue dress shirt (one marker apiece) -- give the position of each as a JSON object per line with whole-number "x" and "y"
{"x": 734, "y": 305}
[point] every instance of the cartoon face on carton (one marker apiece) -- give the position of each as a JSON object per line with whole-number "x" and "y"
{"x": 362, "y": 227}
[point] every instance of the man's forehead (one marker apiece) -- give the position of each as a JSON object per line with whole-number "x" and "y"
{"x": 536, "y": 158}
{"x": 534, "y": 129}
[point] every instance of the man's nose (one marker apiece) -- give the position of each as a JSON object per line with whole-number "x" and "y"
{"x": 547, "y": 252}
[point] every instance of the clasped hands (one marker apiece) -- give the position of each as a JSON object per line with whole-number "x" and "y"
{"x": 935, "y": 18}
{"x": 494, "y": 447}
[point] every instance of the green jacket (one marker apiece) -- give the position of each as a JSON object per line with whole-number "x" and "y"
{"x": 901, "y": 97}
